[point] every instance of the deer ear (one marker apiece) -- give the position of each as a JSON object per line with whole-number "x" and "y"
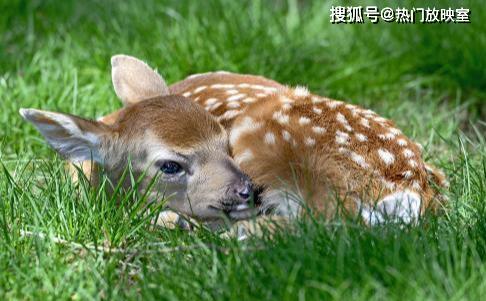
{"x": 134, "y": 80}
{"x": 72, "y": 137}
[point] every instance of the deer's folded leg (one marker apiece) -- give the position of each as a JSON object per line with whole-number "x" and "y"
{"x": 258, "y": 227}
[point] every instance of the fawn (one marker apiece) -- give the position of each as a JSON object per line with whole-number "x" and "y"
{"x": 301, "y": 149}
{"x": 167, "y": 137}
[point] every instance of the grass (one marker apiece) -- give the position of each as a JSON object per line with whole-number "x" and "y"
{"x": 429, "y": 78}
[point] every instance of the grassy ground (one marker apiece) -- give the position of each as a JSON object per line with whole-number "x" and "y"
{"x": 431, "y": 79}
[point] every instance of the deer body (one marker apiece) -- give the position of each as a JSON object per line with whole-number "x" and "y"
{"x": 291, "y": 141}
{"x": 304, "y": 150}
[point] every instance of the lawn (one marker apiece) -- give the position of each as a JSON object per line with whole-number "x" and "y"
{"x": 64, "y": 241}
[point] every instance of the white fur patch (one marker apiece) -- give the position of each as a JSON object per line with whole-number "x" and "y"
{"x": 249, "y": 100}
{"x": 236, "y": 97}
{"x": 232, "y": 92}
{"x": 401, "y": 206}
{"x": 269, "y": 138}
{"x": 412, "y": 163}
{"x": 281, "y": 117}
{"x": 342, "y": 137}
{"x": 199, "y": 89}
{"x": 364, "y": 122}
{"x": 407, "y": 174}
{"x": 222, "y": 86}
{"x": 304, "y": 120}
{"x": 286, "y": 135}
{"x": 408, "y": 153}
{"x": 229, "y": 114}
{"x": 387, "y": 157}
{"x": 187, "y": 94}
{"x": 244, "y": 156}
{"x": 402, "y": 142}
{"x": 317, "y": 110}
{"x": 360, "y": 137}
{"x": 300, "y": 91}
{"x": 334, "y": 103}
{"x": 285, "y": 100}
{"x": 310, "y": 141}
{"x": 233, "y": 105}
{"x": 316, "y": 100}
{"x": 318, "y": 130}
{"x": 245, "y": 126}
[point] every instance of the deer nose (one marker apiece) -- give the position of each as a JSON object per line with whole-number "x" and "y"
{"x": 243, "y": 190}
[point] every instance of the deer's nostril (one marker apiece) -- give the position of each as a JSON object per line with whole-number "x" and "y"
{"x": 244, "y": 190}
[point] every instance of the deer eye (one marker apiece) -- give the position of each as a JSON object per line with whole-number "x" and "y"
{"x": 170, "y": 167}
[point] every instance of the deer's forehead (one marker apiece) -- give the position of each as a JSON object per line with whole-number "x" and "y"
{"x": 182, "y": 124}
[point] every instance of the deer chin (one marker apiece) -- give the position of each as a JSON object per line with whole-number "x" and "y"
{"x": 243, "y": 212}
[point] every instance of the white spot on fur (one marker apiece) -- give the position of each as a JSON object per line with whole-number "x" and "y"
{"x": 341, "y": 137}
{"x": 199, "y": 89}
{"x": 187, "y": 94}
{"x": 245, "y": 126}
{"x": 318, "y": 130}
{"x": 244, "y": 85}
{"x": 407, "y": 174}
{"x": 360, "y": 137}
{"x": 236, "y": 97}
{"x": 244, "y": 156}
{"x": 269, "y": 138}
{"x": 401, "y": 206}
{"x": 387, "y": 157}
{"x": 394, "y": 131}
{"x": 412, "y": 163}
{"x": 408, "y": 153}
{"x": 232, "y": 92}
{"x": 386, "y": 136}
{"x": 264, "y": 88}
{"x": 229, "y": 114}
{"x": 286, "y": 135}
{"x": 304, "y": 120}
{"x": 284, "y": 99}
{"x": 281, "y": 118}
{"x": 309, "y": 141}
{"x": 402, "y": 142}
{"x": 300, "y": 91}
{"x": 316, "y": 99}
{"x": 214, "y": 106}
{"x": 286, "y": 107}
{"x": 222, "y": 86}
{"x": 211, "y": 101}
{"x": 334, "y": 103}
{"x": 358, "y": 159}
{"x": 316, "y": 110}
{"x": 261, "y": 95}
{"x": 233, "y": 105}
{"x": 249, "y": 100}
{"x": 365, "y": 122}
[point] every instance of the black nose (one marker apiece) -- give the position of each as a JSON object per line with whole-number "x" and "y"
{"x": 243, "y": 190}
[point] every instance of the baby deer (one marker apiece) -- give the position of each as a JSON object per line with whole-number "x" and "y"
{"x": 167, "y": 137}
{"x": 302, "y": 147}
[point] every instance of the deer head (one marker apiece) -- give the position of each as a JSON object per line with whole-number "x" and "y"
{"x": 167, "y": 137}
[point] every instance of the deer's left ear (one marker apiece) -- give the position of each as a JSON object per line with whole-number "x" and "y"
{"x": 134, "y": 80}
{"x": 74, "y": 138}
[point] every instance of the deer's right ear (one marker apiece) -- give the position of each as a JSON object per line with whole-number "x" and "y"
{"x": 134, "y": 80}
{"x": 72, "y": 137}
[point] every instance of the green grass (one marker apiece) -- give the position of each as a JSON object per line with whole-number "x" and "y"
{"x": 430, "y": 79}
